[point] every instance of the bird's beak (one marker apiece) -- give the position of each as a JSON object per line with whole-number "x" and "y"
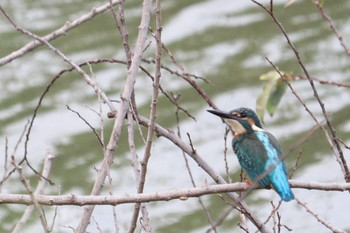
{"x": 222, "y": 114}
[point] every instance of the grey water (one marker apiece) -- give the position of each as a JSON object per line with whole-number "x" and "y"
{"x": 224, "y": 41}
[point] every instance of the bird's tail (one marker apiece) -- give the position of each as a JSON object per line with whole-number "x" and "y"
{"x": 282, "y": 187}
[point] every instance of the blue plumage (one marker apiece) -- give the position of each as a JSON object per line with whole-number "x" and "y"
{"x": 258, "y": 151}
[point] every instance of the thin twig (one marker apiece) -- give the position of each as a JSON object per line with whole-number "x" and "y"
{"x": 328, "y": 82}
{"x": 38, "y": 209}
{"x": 227, "y": 168}
{"x": 331, "y": 25}
{"x": 88, "y": 124}
{"x": 335, "y": 144}
{"x": 192, "y": 82}
{"x": 291, "y": 174}
{"x": 205, "y": 209}
{"x": 209, "y": 170}
{"x": 150, "y": 132}
{"x": 123, "y": 109}
{"x": 45, "y": 173}
{"x": 62, "y": 31}
{"x": 325, "y": 132}
{"x": 97, "y": 225}
{"x": 14, "y": 153}
{"x": 320, "y": 219}
{"x": 6, "y": 163}
{"x": 122, "y": 29}
{"x": 86, "y": 77}
{"x": 114, "y": 211}
{"x": 221, "y": 218}
{"x": 273, "y": 211}
{"x": 344, "y": 144}
{"x": 210, "y": 220}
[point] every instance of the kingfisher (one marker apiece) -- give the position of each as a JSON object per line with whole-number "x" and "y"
{"x": 258, "y": 151}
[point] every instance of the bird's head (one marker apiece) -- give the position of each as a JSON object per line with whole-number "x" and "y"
{"x": 242, "y": 120}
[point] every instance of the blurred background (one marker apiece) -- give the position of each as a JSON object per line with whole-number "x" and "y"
{"x": 224, "y": 41}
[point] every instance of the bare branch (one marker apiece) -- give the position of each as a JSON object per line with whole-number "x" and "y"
{"x": 45, "y": 173}
{"x": 201, "y": 202}
{"x": 320, "y": 219}
{"x": 57, "y": 33}
{"x": 328, "y": 82}
{"x": 338, "y": 150}
{"x": 119, "y": 121}
{"x": 331, "y": 25}
{"x": 119, "y": 199}
{"x": 325, "y": 132}
{"x": 31, "y": 195}
{"x": 209, "y": 170}
{"x": 150, "y": 132}
{"x": 88, "y": 124}
{"x": 86, "y": 77}
{"x": 122, "y": 29}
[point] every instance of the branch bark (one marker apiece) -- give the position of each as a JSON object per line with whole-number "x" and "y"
{"x": 29, "y": 210}
{"x": 181, "y": 194}
{"x": 57, "y": 33}
{"x": 119, "y": 121}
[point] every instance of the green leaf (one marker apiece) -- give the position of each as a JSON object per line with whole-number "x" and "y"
{"x": 273, "y": 90}
{"x": 276, "y": 93}
{"x": 289, "y": 3}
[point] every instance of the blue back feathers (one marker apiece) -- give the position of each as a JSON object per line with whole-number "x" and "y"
{"x": 259, "y": 152}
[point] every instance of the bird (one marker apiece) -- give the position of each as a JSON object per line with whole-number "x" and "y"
{"x": 258, "y": 151}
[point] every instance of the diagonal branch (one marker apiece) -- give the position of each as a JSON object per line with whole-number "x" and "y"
{"x": 319, "y": 218}
{"x": 339, "y": 152}
{"x": 209, "y": 170}
{"x": 331, "y": 25}
{"x": 57, "y": 33}
{"x": 119, "y": 121}
{"x": 29, "y": 210}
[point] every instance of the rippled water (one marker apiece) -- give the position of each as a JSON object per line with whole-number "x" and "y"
{"x": 224, "y": 41}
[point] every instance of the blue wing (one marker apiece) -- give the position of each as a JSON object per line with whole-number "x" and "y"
{"x": 258, "y": 152}
{"x": 252, "y": 156}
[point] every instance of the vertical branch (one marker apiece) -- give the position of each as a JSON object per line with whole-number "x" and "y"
{"x": 131, "y": 141}
{"x": 150, "y": 132}
{"x": 45, "y": 174}
{"x": 99, "y": 113}
{"x": 9, "y": 173}
{"x": 122, "y": 29}
{"x": 227, "y": 168}
{"x": 124, "y": 106}
{"x": 6, "y": 164}
{"x": 37, "y": 207}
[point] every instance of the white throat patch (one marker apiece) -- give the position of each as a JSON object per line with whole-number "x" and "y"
{"x": 256, "y": 128}
{"x": 239, "y": 129}
{"x": 236, "y": 126}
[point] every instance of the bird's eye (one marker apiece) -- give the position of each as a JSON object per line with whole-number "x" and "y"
{"x": 243, "y": 114}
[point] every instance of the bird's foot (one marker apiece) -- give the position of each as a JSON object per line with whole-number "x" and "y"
{"x": 249, "y": 182}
